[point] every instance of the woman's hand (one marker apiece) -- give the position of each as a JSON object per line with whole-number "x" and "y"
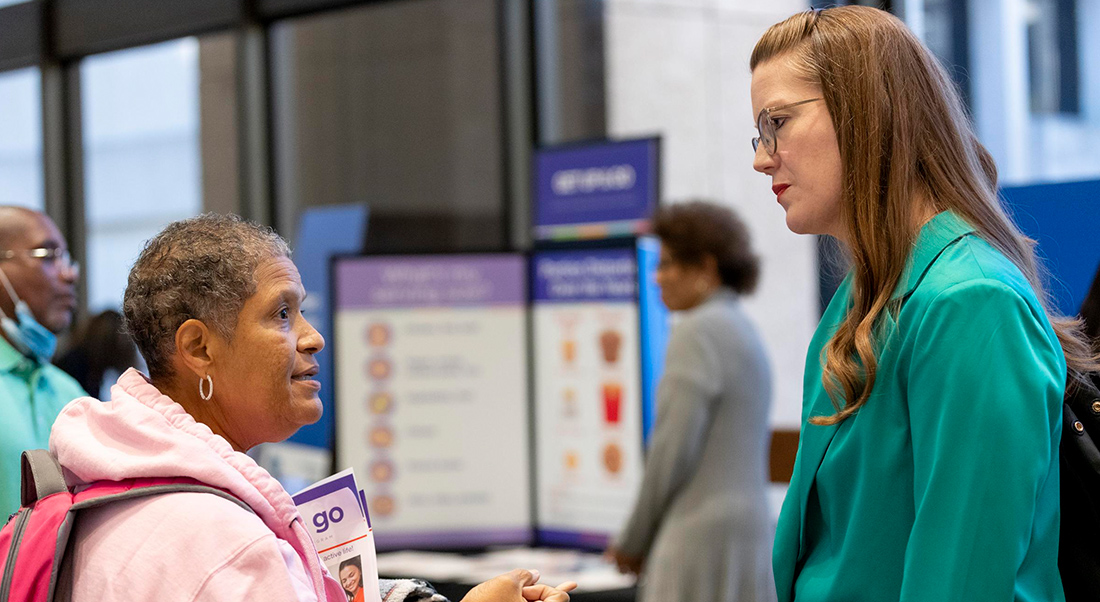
{"x": 519, "y": 585}
{"x": 626, "y": 564}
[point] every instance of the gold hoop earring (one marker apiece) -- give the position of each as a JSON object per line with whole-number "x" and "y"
{"x": 206, "y": 395}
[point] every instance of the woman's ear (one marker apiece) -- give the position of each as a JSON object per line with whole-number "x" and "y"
{"x": 709, "y": 267}
{"x": 193, "y": 346}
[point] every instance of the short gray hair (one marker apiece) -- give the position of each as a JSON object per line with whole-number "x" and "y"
{"x": 201, "y": 268}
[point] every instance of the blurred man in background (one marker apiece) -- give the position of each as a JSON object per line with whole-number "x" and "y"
{"x": 37, "y": 299}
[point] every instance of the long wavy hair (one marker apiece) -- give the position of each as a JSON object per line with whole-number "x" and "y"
{"x": 904, "y": 137}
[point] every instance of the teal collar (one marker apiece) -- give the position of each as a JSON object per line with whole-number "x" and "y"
{"x": 10, "y": 359}
{"x": 934, "y": 236}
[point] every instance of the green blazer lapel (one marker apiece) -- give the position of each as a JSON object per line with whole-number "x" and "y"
{"x": 935, "y": 236}
{"x": 790, "y": 536}
{"x": 814, "y": 439}
{"x": 815, "y": 442}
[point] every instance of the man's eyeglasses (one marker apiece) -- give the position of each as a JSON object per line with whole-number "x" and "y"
{"x": 766, "y": 126}
{"x": 60, "y": 257}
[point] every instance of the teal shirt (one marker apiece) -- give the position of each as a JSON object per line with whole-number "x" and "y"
{"x": 944, "y": 486}
{"x": 31, "y": 397}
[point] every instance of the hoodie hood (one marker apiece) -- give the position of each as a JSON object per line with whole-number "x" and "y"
{"x": 143, "y": 433}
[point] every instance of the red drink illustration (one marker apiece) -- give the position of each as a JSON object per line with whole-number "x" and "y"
{"x": 612, "y": 402}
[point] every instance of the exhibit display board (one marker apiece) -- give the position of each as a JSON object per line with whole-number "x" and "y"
{"x": 589, "y": 408}
{"x": 595, "y": 190}
{"x": 432, "y": 395}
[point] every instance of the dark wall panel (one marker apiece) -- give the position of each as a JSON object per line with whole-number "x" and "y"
{"x": 92, "y": 26}
{"x": 20, "y": 35}
{"x": 280, "y": 9}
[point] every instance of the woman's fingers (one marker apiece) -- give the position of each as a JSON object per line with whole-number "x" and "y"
{"x": 505, "y": 587}
{"x": 568, "y": 586}
{"x": 546, "y": 593}
{"x": 524, "y": 581}
{"x": 523, "y": 577}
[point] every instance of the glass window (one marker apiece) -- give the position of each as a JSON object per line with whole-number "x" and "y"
{"x": 21, "y": 138}
{"x": 944, "y": 27}
{"x": 1052, "y": 56}
{"x": 398, "y": 105}
{"x": 569, "y": 54}
{"x": 142, "y": 155}
{"x": 11, "y": 2}
{"x": 1030, "y": 72}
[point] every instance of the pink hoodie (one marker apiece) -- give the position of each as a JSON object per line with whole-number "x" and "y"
{"x": 180, "y": 546}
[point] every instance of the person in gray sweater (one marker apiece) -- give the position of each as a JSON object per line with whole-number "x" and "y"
{"x": 700, "y": 529}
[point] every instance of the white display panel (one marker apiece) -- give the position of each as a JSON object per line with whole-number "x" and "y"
{"x": 431, "y": 391}
{"x": 588, "y": 398}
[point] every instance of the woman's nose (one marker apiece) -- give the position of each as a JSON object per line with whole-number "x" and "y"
{"x": 762, "y": 161}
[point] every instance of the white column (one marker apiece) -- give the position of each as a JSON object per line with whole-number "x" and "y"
{"x": 999, "y": 72}
{"x": 680, "y": 69}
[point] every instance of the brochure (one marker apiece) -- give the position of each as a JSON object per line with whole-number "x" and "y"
{"x": 335, "y": 514}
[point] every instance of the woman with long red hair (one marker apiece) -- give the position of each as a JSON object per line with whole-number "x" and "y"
{"x": 928, "y": 460}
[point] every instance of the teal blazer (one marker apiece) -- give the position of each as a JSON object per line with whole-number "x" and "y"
{"x": 944, "y": 486}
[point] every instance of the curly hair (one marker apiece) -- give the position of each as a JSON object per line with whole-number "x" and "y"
{"x": 693, "y": 230}
{"x": 200, "y": 268}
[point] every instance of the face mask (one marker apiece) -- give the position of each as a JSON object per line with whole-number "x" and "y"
{"x": 25, "y": 333}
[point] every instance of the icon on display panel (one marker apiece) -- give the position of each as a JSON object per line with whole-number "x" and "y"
{"x": 381, "y": 402}
{"x": 613, "y": 458}
{"x": 569, "y": 351}
{"x": 381, "y": 471}
{"x": 382, "y": 505}
{"x": 380, "y": 368}
{"x": 379, "y": 334}
{"x": 612, "y": 402}
{"x": 567, "y": 323}
{"x": 380, "y": 436}
{"x": 569, "y": 402}
{"x": 611, "y": 342}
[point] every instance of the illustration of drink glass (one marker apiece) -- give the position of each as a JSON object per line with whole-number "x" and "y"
{"x": 569, "y": 351}
{"x": 572, "y": 460}
{"x": 569, "y": 397}
{"x": 610, "y": 343}
{"x": 613, "y": 458}
{"x": 567, "y": 321}
{"x": 612, "y": 402}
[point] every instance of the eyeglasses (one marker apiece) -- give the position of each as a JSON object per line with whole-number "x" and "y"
{"x": 60, "y": 257}
{"x": 765, "y": 125}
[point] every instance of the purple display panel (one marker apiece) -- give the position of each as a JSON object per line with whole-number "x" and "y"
{"x": 574, "y": 539}
{"x": 452, "y": 539}
{"x": 586, "y": 276}
{"x": 595, "y": 190}
{"x": 432, "y": 281}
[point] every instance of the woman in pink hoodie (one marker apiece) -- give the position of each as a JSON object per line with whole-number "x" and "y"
{"x": 214, "y": 305}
